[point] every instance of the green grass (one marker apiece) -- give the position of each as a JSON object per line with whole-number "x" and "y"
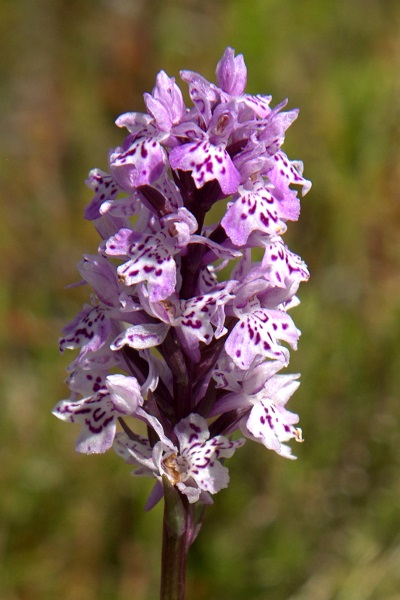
{"x": 323, "y": 527}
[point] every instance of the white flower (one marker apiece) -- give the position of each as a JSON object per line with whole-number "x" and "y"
{"x": 193, "y": 466}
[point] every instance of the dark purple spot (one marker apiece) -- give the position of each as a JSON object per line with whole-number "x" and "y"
{"x": 82, "y": 411}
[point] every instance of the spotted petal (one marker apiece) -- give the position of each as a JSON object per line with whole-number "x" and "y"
{"x": 206, "y": 163}
{"x": 89, "y": 330}
{"x": 136, "y": 452}
{"x": 97, "y": 414}
{"x": 260, "y": 104}
{"x": 152, "y": 260}
{"x": 87, "y": 382}
{"x": 194, "y": 467}
{"x": 198, "y": 457}
{"x": 283, "y": 265}
{"x": 138, "y": 162}
{"x": 257, "y": 333}
{"x": 105, "y": 188}
{"x": 269, "y": 422}
{"x": 286, "y": 172}
{"x": 199, "y": 314}
{"x": 146, "y": 335}
{"x": 256, "y": 209}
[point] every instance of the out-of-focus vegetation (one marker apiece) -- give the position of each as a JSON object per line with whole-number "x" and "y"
{"x": 324, "y": 527}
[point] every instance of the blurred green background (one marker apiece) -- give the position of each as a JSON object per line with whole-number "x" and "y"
{"x": 324, "y": 527}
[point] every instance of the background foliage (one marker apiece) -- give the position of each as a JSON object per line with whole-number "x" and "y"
{"x": 324, "y": 527}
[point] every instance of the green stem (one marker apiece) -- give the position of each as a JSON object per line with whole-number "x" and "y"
{"x": 176, "y": 541}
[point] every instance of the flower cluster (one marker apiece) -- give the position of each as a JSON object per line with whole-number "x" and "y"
{"x": 184, "y": 332}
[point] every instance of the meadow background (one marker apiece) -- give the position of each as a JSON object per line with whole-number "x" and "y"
{"x": 324, "y": 527}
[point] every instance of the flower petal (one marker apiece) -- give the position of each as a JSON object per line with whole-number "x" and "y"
{"x": 152, "y": 260}
{"x": 206, "y": 163}
{"x": 146, "y": 335}
{"x": 89, "y": 330}
{"x": 124, "y": 392}
{"x": 139, "y": 162}
{"x": 97, "y": 415}
{"x": 231, "y": 73}
{"x": 286, "y": 172}
{"x": 257, "y": 333}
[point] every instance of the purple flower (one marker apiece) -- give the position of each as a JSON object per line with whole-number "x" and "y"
{"x": 191, "y": 312}
{"x": 259, "y": 208}
{"x": 142, "y": 158}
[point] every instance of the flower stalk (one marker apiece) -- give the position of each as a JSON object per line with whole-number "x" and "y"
{"x": 175, "y": 544}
